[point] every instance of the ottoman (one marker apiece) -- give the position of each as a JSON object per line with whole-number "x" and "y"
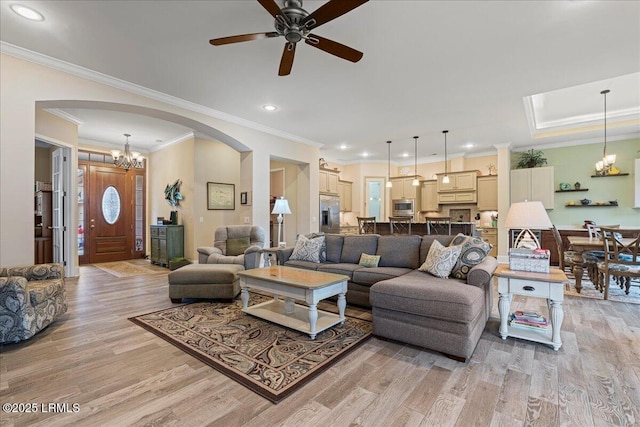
{"x": 207, "y": 281}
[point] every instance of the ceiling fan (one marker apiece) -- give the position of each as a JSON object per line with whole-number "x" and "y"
{"x": 295, "y": 24}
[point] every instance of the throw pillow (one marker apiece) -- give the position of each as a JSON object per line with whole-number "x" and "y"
{"x": 323, "y": 251}
{"x": 367, "y": 260}
{"x": 237, "y": 246}
{"x": 307, "y": 249}
{"x": 440, "y": 259}
{"x": 473, "y": 251}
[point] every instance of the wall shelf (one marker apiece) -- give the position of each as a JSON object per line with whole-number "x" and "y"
{"x": 609, "y": 176}
{"x": 569, "y": 191}
{"x": 592, "y": 206}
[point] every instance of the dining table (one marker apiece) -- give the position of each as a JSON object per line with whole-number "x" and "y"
{"x": 581, "y": 244}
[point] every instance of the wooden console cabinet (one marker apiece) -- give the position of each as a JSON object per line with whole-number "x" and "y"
{"x": 167, "y": 242}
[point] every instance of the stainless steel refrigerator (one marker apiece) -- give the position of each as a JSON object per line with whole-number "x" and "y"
{"x": 330, "y": 214}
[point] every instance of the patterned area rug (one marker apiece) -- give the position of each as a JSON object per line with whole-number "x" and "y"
{"x": 588, "y": 290}
{"x": 125, "y": 269}
{"x": 269, "y": 359}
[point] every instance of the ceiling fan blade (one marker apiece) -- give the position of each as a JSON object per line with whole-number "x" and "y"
{"x": 271, "y": 6}
{"x": 243, "y": 38}
{"x": 286, "y": 63}
{"x": 334, "y": 48}
{"x": 329, "y": 11}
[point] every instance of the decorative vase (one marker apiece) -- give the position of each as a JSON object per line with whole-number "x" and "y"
{"x": 576, "y": 185}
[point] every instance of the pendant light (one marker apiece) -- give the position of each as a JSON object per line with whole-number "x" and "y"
{"x": 605, "y": 166}
{"x": 415, "y": 181}
{"x": 389, "y": 184}
{"x": 445, "y": 178}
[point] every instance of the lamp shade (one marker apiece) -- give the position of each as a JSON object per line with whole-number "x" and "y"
{"x": 281, "y": 207}
{"x": 526, "y": 214}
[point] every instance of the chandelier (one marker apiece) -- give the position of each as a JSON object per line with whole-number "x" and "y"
{"x": 129, "y": 159}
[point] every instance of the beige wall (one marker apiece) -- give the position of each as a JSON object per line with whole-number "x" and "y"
{"x": 213, "y": 162}
{"x": 25, "y": 83}
{"x": 43, "y": 164}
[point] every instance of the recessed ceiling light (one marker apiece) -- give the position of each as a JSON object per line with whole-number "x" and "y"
{"x": 27, "y": 12}
{"x": 469, "y": 145}
{"x": 405, "y": 154}
{"x": 365, "y": 154}
{"x": 343, "y": 146}
{"x": 270, "y": 107}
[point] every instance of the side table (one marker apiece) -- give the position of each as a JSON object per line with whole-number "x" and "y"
{"x": 540, "y": 285}
{"x": 270, "y": 256}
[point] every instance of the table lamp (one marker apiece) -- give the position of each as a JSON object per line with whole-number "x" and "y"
{"x": 526, "y": 216}
{"x": 281, "y": 207}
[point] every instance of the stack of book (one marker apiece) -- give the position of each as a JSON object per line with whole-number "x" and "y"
{"x": 528, "y": 320}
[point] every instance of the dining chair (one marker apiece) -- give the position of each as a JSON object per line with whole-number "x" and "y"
{"x": 621, "y": 258}
{"x": 439, "y": 225}
{"x": 366, "y": 225}
{"x": 566, "y": 258}
{"x": 400, "y": 224}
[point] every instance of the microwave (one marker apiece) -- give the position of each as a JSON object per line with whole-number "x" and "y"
{"x": 402, "y": 207}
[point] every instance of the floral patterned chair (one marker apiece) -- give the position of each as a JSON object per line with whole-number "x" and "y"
{"x": 31, "y": 297}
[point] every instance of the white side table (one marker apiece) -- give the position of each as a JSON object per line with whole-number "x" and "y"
{"x": 541, "y": 285}
{"x": 270, "y": 256}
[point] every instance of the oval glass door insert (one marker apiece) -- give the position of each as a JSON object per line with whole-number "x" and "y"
{"x": 111, "y": 204}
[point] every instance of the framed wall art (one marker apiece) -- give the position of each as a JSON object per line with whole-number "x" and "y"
{"x": 245, "y": 198}
{"x": 221, "y": 196}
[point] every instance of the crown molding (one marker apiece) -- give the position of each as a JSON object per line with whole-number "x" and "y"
{"x": 64, "y": 116}
{"x": 176, "y": 140}
{"x": 76, "y": 70}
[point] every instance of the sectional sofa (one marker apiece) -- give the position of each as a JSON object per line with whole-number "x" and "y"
{"x": 408, "y": 305}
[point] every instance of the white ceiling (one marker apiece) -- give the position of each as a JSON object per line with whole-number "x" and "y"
{"x": 465, "y": 66}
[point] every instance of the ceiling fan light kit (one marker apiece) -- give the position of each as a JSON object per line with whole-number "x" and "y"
{"x": 295, "y": 24}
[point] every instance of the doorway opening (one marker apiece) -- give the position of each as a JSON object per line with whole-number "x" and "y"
{"x": 374, "y": 197}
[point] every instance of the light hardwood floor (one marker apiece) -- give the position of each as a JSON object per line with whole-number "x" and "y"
{"x": 119, "y": 374}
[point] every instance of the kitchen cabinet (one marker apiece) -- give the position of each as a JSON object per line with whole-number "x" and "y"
{"x": 167, "y": 242}
{"x": 345, "y": 191}
{"x": 461, "y": 187}
{"x": 328, "y": 181}
{"x": 487, "y": 193}
{"x": 402, "y": 188}
{"x": 463, "y": 197}
{"x": 429, "y": 196}
{"x": 490, "y": 235}
{"x": 458, "y": 181}
{"x": 533, "y": 184}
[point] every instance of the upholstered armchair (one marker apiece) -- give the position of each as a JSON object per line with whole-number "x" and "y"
{"x": 31, "y": 297}
{"x": 235, "y": 244}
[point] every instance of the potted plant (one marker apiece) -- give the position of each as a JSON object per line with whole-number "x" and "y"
{"x": 531, "y": 159}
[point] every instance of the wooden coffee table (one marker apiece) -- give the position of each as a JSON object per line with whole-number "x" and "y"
{"x": 295, "y": 284}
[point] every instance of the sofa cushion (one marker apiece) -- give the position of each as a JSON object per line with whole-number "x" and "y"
{"x": 369, "y": 261}
{"x": 307, "y": 249}
{"x": 424, "y": 295}
{"x": 334, "y": 244}
{"x": 356, "y": 245}
{"x": 426, "y": 242}
{"x": 399, "y": 251}
{"x": 474, "y": 250}
{"x": 369, "y": 276}
{"x": 340, "y": 268}
{"x": 307, "y": 265}
{"x": 441, "y": 259}
{"x": 237, "y": 246}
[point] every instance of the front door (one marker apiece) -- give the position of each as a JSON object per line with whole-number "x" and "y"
{"x": 109, "y": 218}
